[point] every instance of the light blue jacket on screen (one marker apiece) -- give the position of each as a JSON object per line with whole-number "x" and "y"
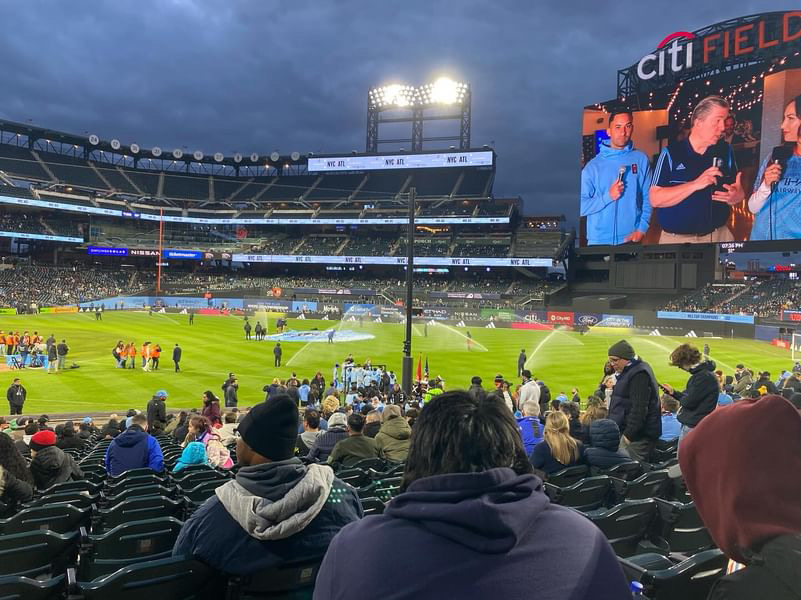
{"x": 610, "y": 221}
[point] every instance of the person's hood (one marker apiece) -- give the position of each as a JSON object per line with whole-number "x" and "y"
{"x": 132, "y": 436}
{"x": 193, "y": 454}
{"x": 707, "y": 365}
{"x": 607, "y": 151}
{"x": 488, "y": 512}
{"x": 276, "y": 500}
{"x": 49, "y": 460}
{"x": 397, "y": 429}
{"x": 309, "y": 437}
{"x": 604, "y": 433}
{"x": 746, "y": 492}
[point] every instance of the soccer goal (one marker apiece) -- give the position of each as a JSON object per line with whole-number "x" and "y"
{"x": 795, "y": 346}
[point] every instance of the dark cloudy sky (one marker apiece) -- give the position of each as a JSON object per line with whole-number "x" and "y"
{"x": 228, "y": 75}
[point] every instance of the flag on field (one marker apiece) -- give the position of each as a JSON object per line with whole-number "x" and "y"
{"x": 426, "y": 371}
{"x": 420, "y": 368}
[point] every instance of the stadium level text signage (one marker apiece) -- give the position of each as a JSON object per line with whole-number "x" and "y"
{"x": 212, "y": 221}
{"x": 766, "y": 35}
{"x": 41, "y": 236}
{"x": 395, "y": 260}
{"x": 107, "y": 251}
{"x": 664, "y": 314}
{"x": 400, "y": 161}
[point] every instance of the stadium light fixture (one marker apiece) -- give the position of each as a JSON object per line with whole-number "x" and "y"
{"x": 443, "y": 91}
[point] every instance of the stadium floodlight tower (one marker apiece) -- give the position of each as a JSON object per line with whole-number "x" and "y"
{"x": 417, "y": 105}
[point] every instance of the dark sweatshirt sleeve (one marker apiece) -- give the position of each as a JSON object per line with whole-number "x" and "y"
{"x": 698, "y": 389}
{"x": 640, "y": 394}
{"x": 539, "y": 455}
{"x": 76, "y": 470}
{"x": 329, "y": 573}
{"x": 17, "y": 490}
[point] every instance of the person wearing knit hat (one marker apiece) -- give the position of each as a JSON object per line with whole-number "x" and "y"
{"x": 157, "y": 413}
{"x": 634, "y": 405}
{"x": 741, "y": 465}
{"x": 276, "y": 507}
{"x": 50, "y": 465}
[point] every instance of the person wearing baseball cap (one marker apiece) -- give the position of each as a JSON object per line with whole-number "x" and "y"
{"x": 277, "y": 508}
{"x": 157, "y": 413}
{"x": 634, "y": 405}
{"x": 49, "y": 464}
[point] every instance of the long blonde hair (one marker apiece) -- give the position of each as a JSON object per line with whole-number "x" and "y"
{"x": 557, "y": 435}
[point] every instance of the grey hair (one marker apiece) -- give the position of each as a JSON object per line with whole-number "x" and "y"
{"x": 531, "y": 409}
{"x": 705, "y": 106}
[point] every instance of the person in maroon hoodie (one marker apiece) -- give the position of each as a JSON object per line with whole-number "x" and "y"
{"x": 471, "y": 521}
{"x": 211, "y": 408}
{"x": 742, "y": 464}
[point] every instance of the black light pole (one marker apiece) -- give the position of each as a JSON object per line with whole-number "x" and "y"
{"x": 408, "y": 361}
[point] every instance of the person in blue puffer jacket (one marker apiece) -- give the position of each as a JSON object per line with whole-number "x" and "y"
{"x": 604, "y": 451}
{"x": 615, "y": 187}
{"x": 193, "y": 454}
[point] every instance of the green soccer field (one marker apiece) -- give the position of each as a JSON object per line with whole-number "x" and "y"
{"x": 215, "y": 345}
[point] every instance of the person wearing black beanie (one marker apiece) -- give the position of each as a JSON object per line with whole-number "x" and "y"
{"x": 277, "y": 508}
{"x": 634, "y": 405}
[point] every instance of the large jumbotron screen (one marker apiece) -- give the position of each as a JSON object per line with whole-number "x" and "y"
{"x": 642, "y": 174}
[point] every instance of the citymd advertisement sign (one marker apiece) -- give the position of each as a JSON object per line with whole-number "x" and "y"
{"x": 560, "y": 318}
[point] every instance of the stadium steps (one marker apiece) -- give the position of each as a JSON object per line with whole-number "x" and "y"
{"x": 359, "y": 187}
{"x": 44, "y": 166}
{"x": 311, "y": 188}
{"x": 732, "y": 297}
{"x": 47, "y": 227}
{"x": 130, "y": 181}
{"x": 266, "y": 187}
{"x": 341, "y": 247}
{"x": 238, "y": 190}
{"x": 101, "y": 177}
{"x": 297, "y": 246}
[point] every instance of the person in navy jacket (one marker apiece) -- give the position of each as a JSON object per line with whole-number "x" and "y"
{"x": 471, "y": 521}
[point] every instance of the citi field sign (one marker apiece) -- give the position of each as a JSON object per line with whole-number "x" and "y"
{"x": 757, "y": 37}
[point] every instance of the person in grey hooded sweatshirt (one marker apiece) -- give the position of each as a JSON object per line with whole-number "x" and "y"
{"x": 276, "y": 509}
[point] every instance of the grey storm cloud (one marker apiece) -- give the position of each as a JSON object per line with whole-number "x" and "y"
{"x": 223, "y": 75}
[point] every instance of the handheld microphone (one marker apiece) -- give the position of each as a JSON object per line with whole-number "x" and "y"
{"x": 620, "y": 173}
{"x": 719, "y": 151}
{"x": 779, "y": 156}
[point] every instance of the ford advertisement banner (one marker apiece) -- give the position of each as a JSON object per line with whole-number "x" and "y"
{"x": 588, "y": 319}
